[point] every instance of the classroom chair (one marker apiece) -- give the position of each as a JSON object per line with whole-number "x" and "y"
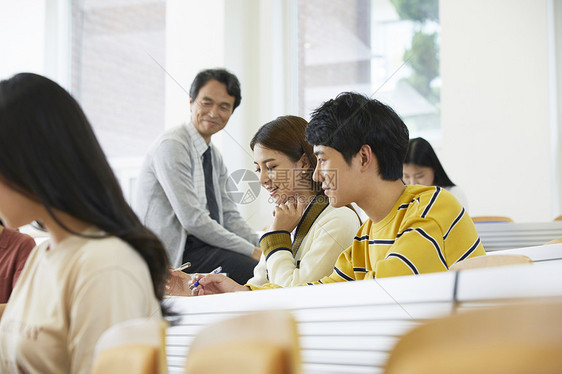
{"x": 490, "y": 261}
{"x": 491, "y": 219}
{"x": 257, "y": 343}
{"x": 133, "y": 347}
{"x": 515, "y": 339}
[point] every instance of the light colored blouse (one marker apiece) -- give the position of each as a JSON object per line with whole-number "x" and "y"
{"x": 68, "y": 294}
{"x": 321, "y": 235}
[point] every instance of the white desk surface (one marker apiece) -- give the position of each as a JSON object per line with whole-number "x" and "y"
{"x": 351, "y": 327}
{"x": 551, "y": 252}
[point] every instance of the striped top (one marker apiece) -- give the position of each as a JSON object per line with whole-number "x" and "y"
{"x": 426, "y": 231}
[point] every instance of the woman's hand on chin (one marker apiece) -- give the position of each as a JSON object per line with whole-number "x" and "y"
{"x": 287, "y": 216}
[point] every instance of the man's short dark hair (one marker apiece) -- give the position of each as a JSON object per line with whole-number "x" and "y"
{"x": 351, "y": 120}
{"x": 222, "y": 75}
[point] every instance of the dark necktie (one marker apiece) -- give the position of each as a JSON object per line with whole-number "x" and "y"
{"x": 209, "y": 188}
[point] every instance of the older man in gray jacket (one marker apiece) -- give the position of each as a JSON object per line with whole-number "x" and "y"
{"x": 181, "y": 190}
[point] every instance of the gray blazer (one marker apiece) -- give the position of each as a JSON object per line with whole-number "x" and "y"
{"x": 170, "y": 196}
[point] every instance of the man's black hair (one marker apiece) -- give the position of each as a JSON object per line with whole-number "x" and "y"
{"x": 223, "y": 76}
{"x": 351, "y": 120}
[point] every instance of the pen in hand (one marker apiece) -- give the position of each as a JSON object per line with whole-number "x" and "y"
{"x": 184, "y": 266}
{"x": 196, "y": 283}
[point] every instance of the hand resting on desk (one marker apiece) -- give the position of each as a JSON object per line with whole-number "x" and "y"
{"x": 211, "y": 284}
{"x": 178, "y": 283}
{"x": 256, "y": 254}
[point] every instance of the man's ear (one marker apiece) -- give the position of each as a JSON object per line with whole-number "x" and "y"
{"x": 366, "y": 156}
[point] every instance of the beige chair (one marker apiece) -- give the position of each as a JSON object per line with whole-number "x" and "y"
{"x": 133, "y": 347}
{"x": 256, "y": 343}
{"x": 490, "y": 261}
{"x": 516, "y": 339}
{"x": 491, "y": 219}
{"x": 554, "y": 241}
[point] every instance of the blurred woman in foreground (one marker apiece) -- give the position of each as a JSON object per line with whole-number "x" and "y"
{"x": 100, "y": 266}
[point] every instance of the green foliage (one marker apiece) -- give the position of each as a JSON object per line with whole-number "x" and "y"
{"x": 423, "y": 58}
{"x": 417, "y": 10}
{"x": 423, "y": 55}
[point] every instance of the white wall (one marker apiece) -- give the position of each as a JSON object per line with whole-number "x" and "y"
{"x": 495, "y": 100}
{"x": 26, "y": 20}
{"x": 35, "y": 37}
{"x": 194, "y": 41}
{"x": 259, "y": 44}
{"x": 555, "y": 80}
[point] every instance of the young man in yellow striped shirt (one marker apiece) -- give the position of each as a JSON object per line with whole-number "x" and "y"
{"x": 360, "y": 144}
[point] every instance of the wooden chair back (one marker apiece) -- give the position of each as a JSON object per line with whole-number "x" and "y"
{"x": 133, "y": 347}
{"x": 490, "y": 261}
{"x": 491, "y": 219}
{"x": 514, "y": 339}
{"x": 263, "y": 342}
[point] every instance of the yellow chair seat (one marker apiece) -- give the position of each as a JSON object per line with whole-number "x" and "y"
{"x": 240, "y": 358}
{"x": 490, "y": 261}
{"x": 515, "y": 339}
{"x": 491, "y": 219}
{"x": 256, "y": 343}
{"x": 134, "y": 346}
{"x": 132, "y": 358}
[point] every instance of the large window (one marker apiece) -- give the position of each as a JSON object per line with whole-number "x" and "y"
{"x": 118, "y": 50}
{"x": 386, "y": 49}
